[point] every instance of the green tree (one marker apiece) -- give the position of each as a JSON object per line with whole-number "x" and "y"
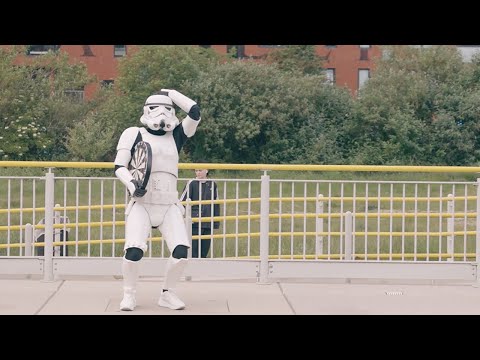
{"x": 145, "y": 72}
{"x": 35, "y": 109}
{"x": 419, "y": 107}
{"x": 256, "y": 113}
{"x": 297, "y": 58}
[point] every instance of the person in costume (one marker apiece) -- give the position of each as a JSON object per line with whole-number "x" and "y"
{"x": 157, "y": 204}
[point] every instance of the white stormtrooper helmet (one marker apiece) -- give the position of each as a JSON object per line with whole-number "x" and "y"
{"x": 159, "y": 113}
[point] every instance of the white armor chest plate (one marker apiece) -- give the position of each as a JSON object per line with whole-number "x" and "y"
{"x": 162, "y": 185}
{"x": 164, "y": 152}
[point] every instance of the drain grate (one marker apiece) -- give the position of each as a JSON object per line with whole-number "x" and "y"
{"x": 392, "y": 293}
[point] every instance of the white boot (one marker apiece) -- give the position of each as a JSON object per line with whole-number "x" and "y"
{"x": 173, "y": 272}
{"x": 128, "y": 302}
{"x": 169, "y": 300}
{"x": 130, "y": 276}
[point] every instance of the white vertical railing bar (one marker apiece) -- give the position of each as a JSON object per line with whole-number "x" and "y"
{"x": 237, "y": 197}
{"x": 329, "y": 221}
{"x": 415, "y": 223}
{"x": 450, "y": 226}
{"x": 48, "y": 248}
{"x": 390, "y": 238}
{"x": 342, "y": 233}
{"x": 9, "y": 219}
{"x": 428, "y": 221}
{"x": 379, "y": 208}
{"x": 77, "y": 220}
{"x": 114, "y": 217}
{"x": 188, "y": 222}
{"x": 264, "y": 227}
{"x": 477, "y": 229}
{"x": 354, "y": 212}
{"x": 292, "y": 211}
{"x": 365, "y": 240}
{"x": 454, "y": 193}
{"x": 28, "y": 239}
{"x": 56, "y": 232}
{"x": 224, "y": 218}
{"x": 348, "y": 235}
{"x": 89, "y": 218}
{"x": 319, "y": 225}
{"x": 280, "y": 203}
{"x": 21, "y": 216}
{"x": 101, "y": 216}
{"x": 200, "y": 206}
{"x": 465, "y": 211}
{"x": 440, "y": 222}
{"x": 34, "y": 204}
{"x": 403, "y": 221}
{"x": 249, "y": 220}
{"x": 304, "y": 220}
{"x": 65, "y": 245}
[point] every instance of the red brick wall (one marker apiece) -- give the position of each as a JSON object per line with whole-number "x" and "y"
{"x": 344, "y": 58}
{"x": 102, "y": 63}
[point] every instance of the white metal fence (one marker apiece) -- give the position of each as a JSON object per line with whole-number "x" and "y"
{"x": 54, "y": 226}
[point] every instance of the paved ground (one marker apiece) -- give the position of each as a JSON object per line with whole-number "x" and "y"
{"x": 102, "y": 296}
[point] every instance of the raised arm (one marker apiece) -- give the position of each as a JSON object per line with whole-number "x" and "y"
{"x": 192, "y": 109}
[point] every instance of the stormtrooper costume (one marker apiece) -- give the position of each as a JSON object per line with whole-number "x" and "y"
{"x": 156, "y": 206}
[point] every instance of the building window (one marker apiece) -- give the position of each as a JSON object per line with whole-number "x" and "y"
{"x": 87, "y": 51}
{"x": 330, "y": 75}
{"x": 41, "y": 49}
{"x": 75, "y": 95}
{"x": 364, "y": 52}
{"x": 106, "y": 83}
{"x": 330, "y": 46}
{"x": 363, "y": 76}
{"x": 119, "y": 50}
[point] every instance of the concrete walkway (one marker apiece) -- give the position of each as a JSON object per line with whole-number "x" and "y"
{"x": 102, "y": 296}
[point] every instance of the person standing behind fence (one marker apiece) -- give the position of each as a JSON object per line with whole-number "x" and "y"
{"x": 205, "y": 189}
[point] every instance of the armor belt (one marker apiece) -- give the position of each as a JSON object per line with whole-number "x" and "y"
{"x": 160, "y": 197}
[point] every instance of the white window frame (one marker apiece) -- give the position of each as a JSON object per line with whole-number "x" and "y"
{"x": 119, "y": 51}
{"x": 330, "y": 75}
{"x": 361, "y": 77}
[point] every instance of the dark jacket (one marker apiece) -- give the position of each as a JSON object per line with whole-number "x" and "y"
{"x": 192, "y": 191}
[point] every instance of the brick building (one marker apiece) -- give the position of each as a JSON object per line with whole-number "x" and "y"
{"x": 346, "y": 65}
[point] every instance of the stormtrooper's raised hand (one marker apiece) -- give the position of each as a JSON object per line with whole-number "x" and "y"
{"x": 184, "y": 103}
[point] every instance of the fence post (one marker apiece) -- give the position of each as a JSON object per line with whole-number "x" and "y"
{"x": 477, "y": 232}
{"x": 56, "y": 232}
{"x": 188, "y": 224}
{"x": 348, "y": 235}
{"x": 264, "y": 228}
{"x": 319, "y": 226}
{"x": 48, "y": 248}
{"x": 450, "y": 227}
{"x": 28, "y": 239}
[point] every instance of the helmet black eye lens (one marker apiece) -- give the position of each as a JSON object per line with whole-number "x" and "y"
{"x": 153, "y": 107}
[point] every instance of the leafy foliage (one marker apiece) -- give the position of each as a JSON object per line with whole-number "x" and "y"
{"x": 35, "y": 110}
{"x": 420, "y": 107}
{"x": 257, "y": 113}
{"x": 297, "y": 58}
